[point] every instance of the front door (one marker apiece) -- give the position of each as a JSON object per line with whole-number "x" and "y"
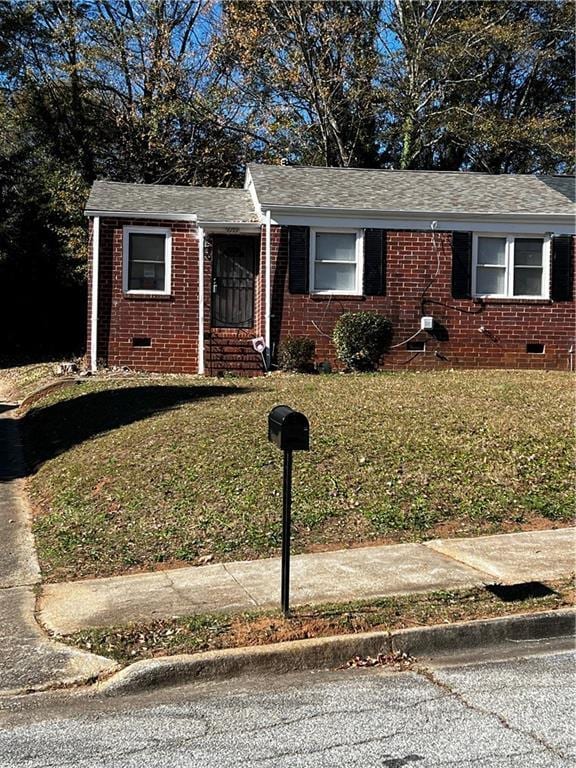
{"x": 233, "y": 268}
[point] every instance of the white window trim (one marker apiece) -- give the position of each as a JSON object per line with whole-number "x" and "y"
{"x": 359, "y": 260}
{"x": 509, "y": 265}
{"x": 167, "y": 232}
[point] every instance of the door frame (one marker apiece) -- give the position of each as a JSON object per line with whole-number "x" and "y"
{"x": 248, "y": 241}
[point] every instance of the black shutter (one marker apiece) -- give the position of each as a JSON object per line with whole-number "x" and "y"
{"x": 461, "y": 265}
{"x": 374, "y": 262}
{"x": 298, "y": 250}
{"x": 562, "y": 268}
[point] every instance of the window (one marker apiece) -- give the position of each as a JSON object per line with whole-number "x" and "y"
{"x": 509, "y": 266}
{"x": 335, "y": 262}
{"x": 147, "y": 257}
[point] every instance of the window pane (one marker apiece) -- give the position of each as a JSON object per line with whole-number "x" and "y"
{"x": 527, "y": 281}
{"x": 491, "y": 280}
{"x": 492, "y": 250}
{"x": 335, "y": 247}
{"x": 147, "y": 247}
{"x": 528, "y": 253}
{"x": 335, "y": 277}
{"x": 146, "y": 268}
{"x": 145, "y": 276}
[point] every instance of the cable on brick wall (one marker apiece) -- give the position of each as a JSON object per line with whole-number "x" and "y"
{"x": 433, "y": 227}
{"x": 320, "y": 331}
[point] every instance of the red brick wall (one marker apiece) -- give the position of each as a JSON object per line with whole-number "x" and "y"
{"x": 171, "y": 322}
{"x": 414, "y": 289}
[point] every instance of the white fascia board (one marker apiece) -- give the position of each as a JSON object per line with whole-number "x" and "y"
{"x": 249, "y": 185}
{"x": 376, "y": 213}
{"x": 142, "y": 215}
{"x": 230, "y": 227}
{"x": 512, "y": 223}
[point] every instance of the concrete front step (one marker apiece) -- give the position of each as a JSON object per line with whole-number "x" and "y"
{"x": 232, "y": 355}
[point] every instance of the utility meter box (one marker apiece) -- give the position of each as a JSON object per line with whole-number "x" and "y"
{"x": 288, "y": 429}
{"x": 427, "y": 323}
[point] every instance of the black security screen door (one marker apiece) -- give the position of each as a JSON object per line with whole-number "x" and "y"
{"x": 233, "y": 282}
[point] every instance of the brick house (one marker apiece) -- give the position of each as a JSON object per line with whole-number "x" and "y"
{"x": 183, "y": 279}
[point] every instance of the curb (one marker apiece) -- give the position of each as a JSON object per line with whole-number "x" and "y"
{"x": 72, "y": 682}
{"x": 53, "y": 386}
{"x": 332, "y": 652}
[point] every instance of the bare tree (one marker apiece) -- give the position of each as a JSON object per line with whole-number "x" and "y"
{"x": 308, "y": 72}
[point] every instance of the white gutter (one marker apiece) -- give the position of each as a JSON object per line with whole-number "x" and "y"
{"x": 268, "y": 292}
{"x": 95, "y": 278}
{"x": 411, "y": 215}
{"x": 201, "y": 242}
{"x": 169, "y": 216}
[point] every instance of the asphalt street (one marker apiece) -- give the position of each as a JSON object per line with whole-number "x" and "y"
{"x": 515, "y": 712}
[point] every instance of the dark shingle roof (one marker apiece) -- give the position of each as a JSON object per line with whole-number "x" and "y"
{"x": 412, "y": 191}
{"x": 207, "y": 203}
{"x": 355, "y": 189}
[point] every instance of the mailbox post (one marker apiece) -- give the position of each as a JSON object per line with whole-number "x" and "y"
{"x": 290, "y": 431}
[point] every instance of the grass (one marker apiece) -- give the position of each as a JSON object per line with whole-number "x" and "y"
{"x": 137, "y": 473}
{"x": 215, "y": 631}
{"x": 16, "y": 382}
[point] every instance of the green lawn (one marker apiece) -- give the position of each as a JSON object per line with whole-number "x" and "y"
{"x": 18, "y": 381}
{"x": 132, "y": 473}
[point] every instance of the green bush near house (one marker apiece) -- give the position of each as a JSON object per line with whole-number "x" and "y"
{"x": 361, "y": 339}
{"x": 296, "y": 354}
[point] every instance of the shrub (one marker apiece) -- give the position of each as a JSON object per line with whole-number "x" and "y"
{"x": 297, "y": 354}
{"x": 361, "y": 338}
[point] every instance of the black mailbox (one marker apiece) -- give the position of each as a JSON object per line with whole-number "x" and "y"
{"x": 288, "y": 429}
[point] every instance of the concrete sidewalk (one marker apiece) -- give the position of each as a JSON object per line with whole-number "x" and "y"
{"x": 28, "y": 659}
{"x": 351, "y": 574}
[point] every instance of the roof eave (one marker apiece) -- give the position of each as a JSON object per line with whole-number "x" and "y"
{"x": 121, "y": 214}
{"x": 411, "y": 215}
{"x": 236, "y": 225}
